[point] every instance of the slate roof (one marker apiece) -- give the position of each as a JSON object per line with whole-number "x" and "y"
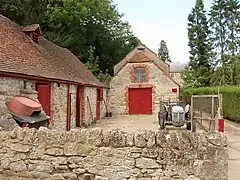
{"x": 19, "y": 54}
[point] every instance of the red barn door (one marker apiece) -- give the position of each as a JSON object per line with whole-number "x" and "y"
{"x": 44, "y": 97}
{"x": 140, "y": 100}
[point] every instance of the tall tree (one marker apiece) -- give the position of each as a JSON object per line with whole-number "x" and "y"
{"x": 218, "y": 25}
{"x": 78, "y": 25}
{"x": 200, "y": 48}
{"x": 163, "y": 52}
{"x": 233, "y": 26}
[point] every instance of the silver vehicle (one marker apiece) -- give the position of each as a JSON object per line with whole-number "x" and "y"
{"x": 174, "y": 113}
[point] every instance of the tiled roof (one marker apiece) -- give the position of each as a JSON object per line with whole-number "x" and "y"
{"x": 19, "y": 54}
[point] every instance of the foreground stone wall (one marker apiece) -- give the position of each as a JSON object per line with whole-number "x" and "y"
{"x": 112, "y": 155}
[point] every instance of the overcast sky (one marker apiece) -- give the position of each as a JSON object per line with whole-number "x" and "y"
{"x": 154, "y": 20}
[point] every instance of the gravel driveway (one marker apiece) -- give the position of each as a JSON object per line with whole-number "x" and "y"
{"x": 133, "y": 123}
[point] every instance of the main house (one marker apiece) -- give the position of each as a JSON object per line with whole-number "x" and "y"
{"x": 140, "y": 81}
{"x": 32, "y": 66}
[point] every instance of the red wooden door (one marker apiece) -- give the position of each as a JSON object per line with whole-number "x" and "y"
{"x": 44, "y": 97}
{"x": 140, "y": 100}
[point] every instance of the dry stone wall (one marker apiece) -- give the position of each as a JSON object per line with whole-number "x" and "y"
{"x": 97, "y": 154}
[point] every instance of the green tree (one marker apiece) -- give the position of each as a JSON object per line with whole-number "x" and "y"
{"x": 93, "y": 65}
{"x": 77, "y": 25}
{"x": 200, "y": 47}
{"x": 233, "y": 26}
{"x": 163, "y": 52}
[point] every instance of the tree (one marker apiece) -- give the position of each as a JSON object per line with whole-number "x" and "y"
{"x": 218, "y": 25}
{"x": 163, "y": 52}
{"x": 233, "y": 26}
{"x": 200, "y": 47}
{"x": 78, "y": 25}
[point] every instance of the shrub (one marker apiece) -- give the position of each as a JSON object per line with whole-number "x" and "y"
{"x": 231, "y": 98}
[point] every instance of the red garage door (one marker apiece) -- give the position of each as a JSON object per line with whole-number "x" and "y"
{"x": 140, "y": 100}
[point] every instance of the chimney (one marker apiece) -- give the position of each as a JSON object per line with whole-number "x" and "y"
{"x": 33, "y": 31}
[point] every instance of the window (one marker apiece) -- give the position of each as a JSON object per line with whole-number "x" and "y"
{"x": 25, "y": 84}
{"x": 139, "y": 74}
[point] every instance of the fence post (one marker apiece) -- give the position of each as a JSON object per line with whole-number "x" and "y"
{"x": 220, "y": 117}
{"x": 191, "y": 114}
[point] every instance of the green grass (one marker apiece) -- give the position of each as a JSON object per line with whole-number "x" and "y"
{"x": 231, "y": 99}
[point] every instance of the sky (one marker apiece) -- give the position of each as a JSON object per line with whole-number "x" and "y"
{"x": 156, "y": 20}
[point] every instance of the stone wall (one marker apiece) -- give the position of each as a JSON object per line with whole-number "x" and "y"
{"x": 73, "y": 91}
{"x": 113, "y": 155}
{"x": 59, "y": 104}
{"x": 118, "y": 97}
{"x": 90, "y": 103}
{"x": 104, "y": 103}
{"x": 10, "y": 87}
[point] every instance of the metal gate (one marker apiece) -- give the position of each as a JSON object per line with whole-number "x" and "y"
{"x": 206, "y": 109}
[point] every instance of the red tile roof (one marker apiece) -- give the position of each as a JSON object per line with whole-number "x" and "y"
{"x": 19, "y": 54}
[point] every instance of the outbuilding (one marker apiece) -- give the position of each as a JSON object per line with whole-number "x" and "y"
{"x": 140, "y": 80}
{"x": 32, "y": 66}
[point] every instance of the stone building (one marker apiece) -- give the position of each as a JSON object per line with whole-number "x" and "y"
{"x": 32, "y": 66}
{"x": 140, "y": 80}
{"x": 175, "y": 71}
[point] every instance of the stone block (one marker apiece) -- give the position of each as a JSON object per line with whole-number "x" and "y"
{"x": 70, "y": 176}
{"x": 54, "y": 151}
{"x": 140, "y": 139}
{"x": 20, "y": 147}
{"x": 117, "y": 138}
{"x": 57, "y": 176}
{"x": 147, "y": 163}
{"x": 70, "y": 149}
{"x": 18, "y": 166}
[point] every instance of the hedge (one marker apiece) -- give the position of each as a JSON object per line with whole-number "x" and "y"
{"x": 231, "y": 99}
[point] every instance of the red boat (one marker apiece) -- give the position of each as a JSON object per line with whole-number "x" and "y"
{"x": 28, "y": 112}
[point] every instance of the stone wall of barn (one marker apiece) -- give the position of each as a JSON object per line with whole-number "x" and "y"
{"x": 59, "y": 104}
{"x": 73, "y": 91}
{"x": 97, "y": 154}
{"x": 10, "y": 87}
{"x": 104, "y": 103}
{"x": 90, "y": 94}
{"x": 118, "y": 96}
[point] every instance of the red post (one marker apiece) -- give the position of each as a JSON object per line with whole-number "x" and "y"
{"x": 221, "y": 125}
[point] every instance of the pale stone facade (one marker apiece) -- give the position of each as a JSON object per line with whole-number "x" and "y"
{"x": 10, "y": 87}
{"x": 90, "y": 99}
{"x": 97, "y": 154}
{"x": 59, "y": 104}
{"x": 90, "y": 104}
{"x": 162, "y": 84}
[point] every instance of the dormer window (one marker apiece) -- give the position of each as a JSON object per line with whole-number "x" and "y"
{"x": 33, "y": 31}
